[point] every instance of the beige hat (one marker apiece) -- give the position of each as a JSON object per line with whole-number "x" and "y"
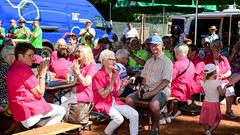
{"x": 213, "y": 28}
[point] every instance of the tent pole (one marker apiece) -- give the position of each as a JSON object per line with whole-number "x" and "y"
{"x": 230, "y": 31}
{"x": 163, "y": 20}
{"x": 196, "y": 22}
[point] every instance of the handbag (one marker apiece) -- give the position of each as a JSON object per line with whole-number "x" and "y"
{"x": 79, "y": 112}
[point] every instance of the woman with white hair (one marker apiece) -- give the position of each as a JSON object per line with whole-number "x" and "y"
{"x": 60, "y": 44}
{"x": 8, "y": 56}
{"x": 223, "y": 73}
{"x": 183, "y": 74}
{"x": 107, "y": 86}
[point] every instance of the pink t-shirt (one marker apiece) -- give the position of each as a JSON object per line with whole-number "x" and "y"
{"x": 198, "y": 76}
{"x": 53, "y": 59}
{"x": 60, "y": 67}
{"x": 181, "y": 86}
{"x": 223, "y": 64}
{"x": 23, "y": 104}
{"x": 85, "y": 94}
{"x": 102, "y": 80}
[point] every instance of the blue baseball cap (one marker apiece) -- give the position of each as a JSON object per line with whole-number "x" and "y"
{"x": 155, "y": 40}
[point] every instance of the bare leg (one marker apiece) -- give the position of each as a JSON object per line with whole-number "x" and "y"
{"x": 229, "y": 101}
{"x": 154, "y": 109}
{"x": 215, "y": 125}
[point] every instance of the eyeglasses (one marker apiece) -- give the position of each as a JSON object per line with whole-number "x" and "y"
{"x": 111, "y": 59}
{"x": 30, "y": 55}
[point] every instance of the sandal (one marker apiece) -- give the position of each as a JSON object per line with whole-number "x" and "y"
{"x": 230, "y": 115}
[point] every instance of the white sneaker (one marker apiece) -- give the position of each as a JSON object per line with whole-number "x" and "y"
{"x": 168, "y": 120}
{"x": 177, "y": 114}
{"x": 162, "y": 121}
{"x": 208, "y": 132}
{"x": 165, "y": 121}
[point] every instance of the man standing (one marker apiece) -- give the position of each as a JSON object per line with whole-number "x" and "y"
{"x": 212, "y": 33}
{"x": 2, "y": 33}
{"x": 36, "y": 37}
{"x": 130, "y": 31}
{"x": 88, "y": 31}
{"x": 23, "y": 31}
{"x": 13, "y": 29}
{"x": 157, "y": 76}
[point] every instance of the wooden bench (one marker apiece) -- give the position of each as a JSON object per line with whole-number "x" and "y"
{"x": 58, "y": 128}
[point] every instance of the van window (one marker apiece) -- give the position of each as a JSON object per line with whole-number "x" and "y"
{"x": 203, "y": 25}
{"x": 234, "y": 30}
{"x": 99, "y": 23}
{"x": 179, "y": 22}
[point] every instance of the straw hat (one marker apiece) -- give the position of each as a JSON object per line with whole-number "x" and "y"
{"x": 213, "y": 28}
{"x": 22, "y": 20}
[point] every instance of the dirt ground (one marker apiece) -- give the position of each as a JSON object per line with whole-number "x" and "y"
{"x": 182, "y": 125}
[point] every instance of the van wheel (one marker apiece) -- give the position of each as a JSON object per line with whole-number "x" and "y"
{"x": 46, "y": 52}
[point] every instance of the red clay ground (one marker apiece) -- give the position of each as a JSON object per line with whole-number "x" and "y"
{"x": 182, "y": 125}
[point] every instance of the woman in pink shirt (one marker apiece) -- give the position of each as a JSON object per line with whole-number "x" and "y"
{"x": 84, "y": 69}
{"x": 60, "y": 68}
{"x": 199, "y": 66}
{"x": 106, "y": 89}
{"x": 61, "y": 43}
{"x": 183, "y": 74}
{"x": 25, "y": 91}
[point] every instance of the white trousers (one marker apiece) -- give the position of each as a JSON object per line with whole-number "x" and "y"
{"x": 116, "y": 112}
{"x": 52, "y": 117}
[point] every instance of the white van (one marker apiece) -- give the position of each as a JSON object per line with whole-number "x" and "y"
{"x": 227, "y": 23}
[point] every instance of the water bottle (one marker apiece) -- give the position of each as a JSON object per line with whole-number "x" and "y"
{"x": 70, "y": 76}
{"x": 48, "y": 77}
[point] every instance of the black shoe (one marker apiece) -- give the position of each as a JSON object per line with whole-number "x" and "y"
{"x": 154, "y": 132}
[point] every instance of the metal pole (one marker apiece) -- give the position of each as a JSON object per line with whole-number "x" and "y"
{"x": 230, "y": 31}
{"x": 163, "y": 21}
{"x": 196, "y": 19}
{"x": 110, "y": 13}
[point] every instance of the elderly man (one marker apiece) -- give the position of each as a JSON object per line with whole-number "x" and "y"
{"x": 157, "y": 76}
{"x": 13, "y": 29}
{"x": 23, "y": 31}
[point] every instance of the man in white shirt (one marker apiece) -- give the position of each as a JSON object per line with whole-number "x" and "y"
{"x": 212, "y": 33}
{"x": 129, "y": 31}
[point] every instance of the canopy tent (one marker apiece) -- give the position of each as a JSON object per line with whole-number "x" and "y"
{"x": 189, "y": 2}
{"x": 153, "y": 8}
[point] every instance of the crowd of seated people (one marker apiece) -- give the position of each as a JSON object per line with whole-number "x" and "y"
{"x": 163, "y": 76}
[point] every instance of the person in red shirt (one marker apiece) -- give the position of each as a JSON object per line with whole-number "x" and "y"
{"x": 107, "y": 86}
{"x": 25, "y": 91}
{"x": 223, "y": 73}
